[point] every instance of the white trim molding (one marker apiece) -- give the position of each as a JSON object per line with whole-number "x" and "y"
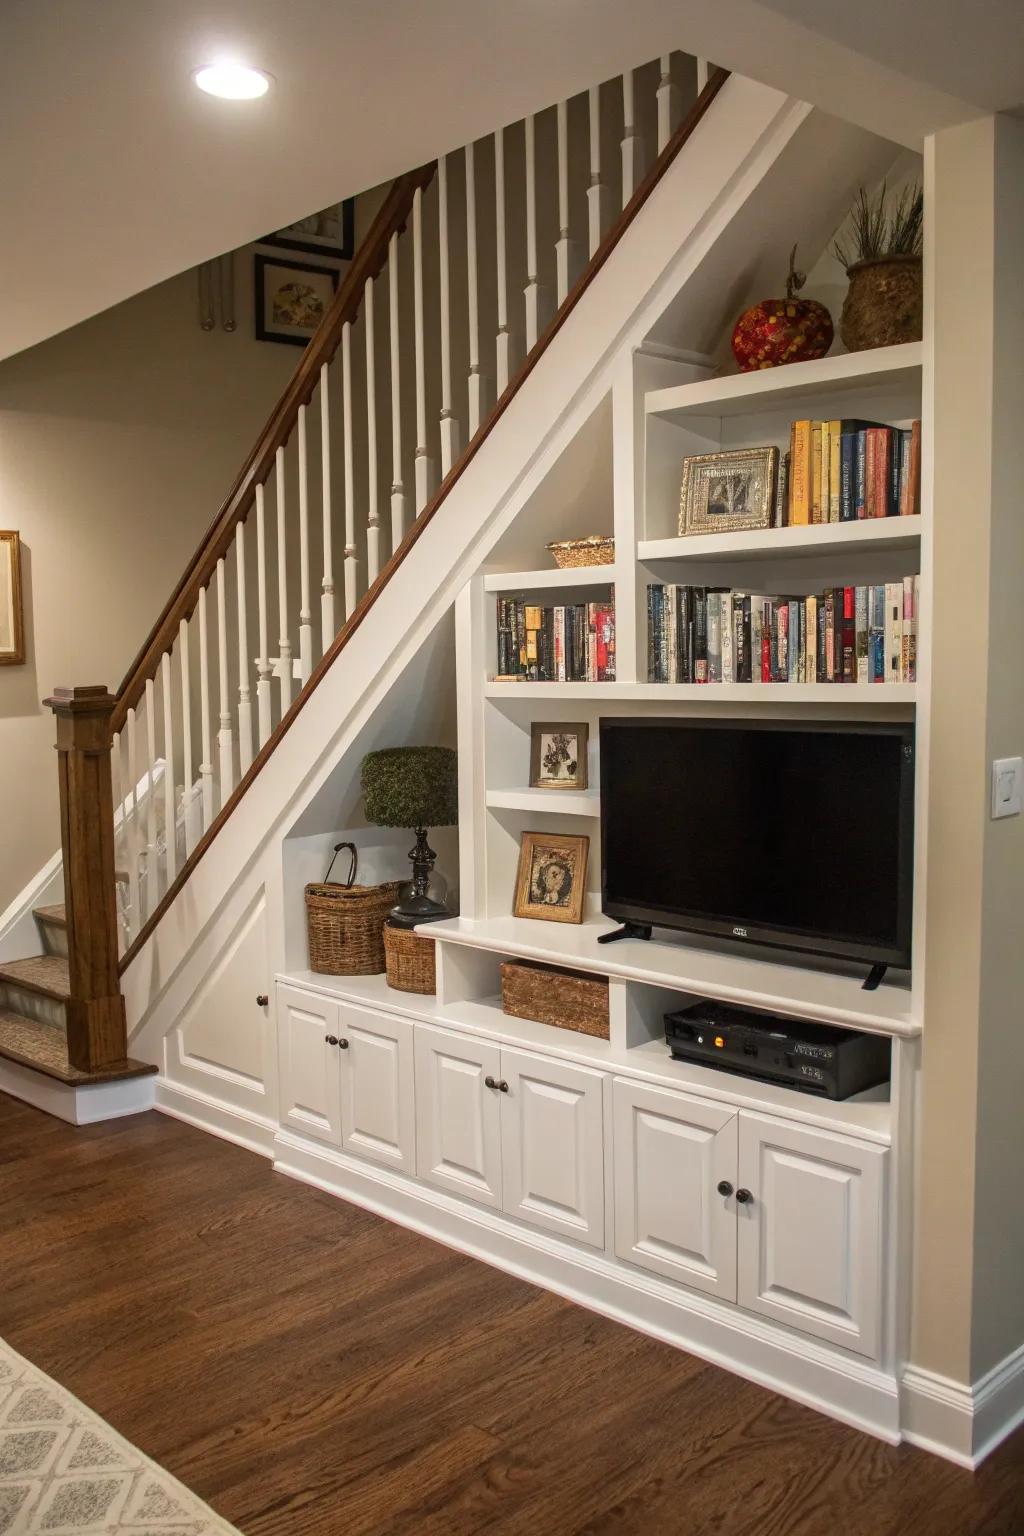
{"x": 84, "y": 1105}
{"x": 963, "y": 1424}
{"x": 228, "y": 1121}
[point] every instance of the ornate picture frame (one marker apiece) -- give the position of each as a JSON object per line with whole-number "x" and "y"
{"x": 558, "y": 755}
{"x": 12, "y": 614}
{"x": 728, "y": 492}
{"x": 551, "y": 881}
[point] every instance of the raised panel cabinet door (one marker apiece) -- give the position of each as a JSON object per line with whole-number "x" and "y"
{"x": 672, "y": 1150}
{"x": 458, "y": 1118}
{"x": 378, "y": 1115}
{"x": 310, "y": 1086}
{"x": 552, "y": 1145}
{"x": 810, "y": 1237}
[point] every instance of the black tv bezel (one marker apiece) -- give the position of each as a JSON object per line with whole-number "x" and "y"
{"x": 821, "y": 944}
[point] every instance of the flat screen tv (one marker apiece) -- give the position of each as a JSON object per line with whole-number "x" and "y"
{"x": 797, "y": 835}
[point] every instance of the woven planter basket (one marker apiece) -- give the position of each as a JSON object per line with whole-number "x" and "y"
{"x": 595, "y": 550}
{"x": 410, "y": 961}
{"x": 554, "y": 996}
{"x": 345, "y": 923}
{"x": 884, "y": 304}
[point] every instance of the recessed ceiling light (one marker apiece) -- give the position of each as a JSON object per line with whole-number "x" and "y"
{"x": 236, "y": 82}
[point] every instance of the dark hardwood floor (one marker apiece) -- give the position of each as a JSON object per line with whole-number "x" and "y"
{"x": 311, "y": 1370}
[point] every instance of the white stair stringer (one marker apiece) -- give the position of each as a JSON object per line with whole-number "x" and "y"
{"x": 727, "y": 155}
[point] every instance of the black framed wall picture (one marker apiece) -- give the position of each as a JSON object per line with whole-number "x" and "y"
{"x": 291, "y": 298}
{"x": 331, "y": 232}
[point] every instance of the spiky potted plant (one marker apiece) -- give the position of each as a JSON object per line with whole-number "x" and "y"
{"x": 882, "y": 257}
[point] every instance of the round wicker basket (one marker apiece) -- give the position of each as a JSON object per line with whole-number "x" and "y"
{"x": 410, "y": 961}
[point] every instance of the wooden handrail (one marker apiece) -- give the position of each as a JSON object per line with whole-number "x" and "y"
{"x": 368, "y": 262}
{"x": 716, "y": 80}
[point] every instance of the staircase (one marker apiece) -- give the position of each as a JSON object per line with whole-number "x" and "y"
{"x": 470, "y": 270}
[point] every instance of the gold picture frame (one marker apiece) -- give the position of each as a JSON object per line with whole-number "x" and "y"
{"x": 12, "y": 616}
{"x": 551, "y": 881}
{"x": 728, "y": 492}
{"x": 558, "y": 755}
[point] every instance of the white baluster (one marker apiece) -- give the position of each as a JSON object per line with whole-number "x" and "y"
{"x": 423, "y": 463}
{"x": 327, "y": 589}
{"x": 478, "y": 393}
{"x": 397, "y": 487}
{"x": 264, "y": 705}
{"x": 206, "y": 766}
{"x": 449, "y": 421}
{"x": 351, "y": 563}
{"x": 133, "y": 838}
{"x": 632, "y": 145}
{"x": 244, "y": 701}
{"x": 170, "y": 809}
{"x": 668, "y": 103}
{"x": 372, "y": 513}
{"x": 566, "y": 250}
{"x": 191, "y": 800}
{"x": 599, "y": 198}
{"x": 152, "y": 863}
{"x": 305, "y": 612}
{"x": 225, "y": 736}
{"x": 117, "y": 796}
{"x": 536, "y": 294}
{"x": 702, "y": 74}
{"x": 284, "y": 645}
{"x": 505, "y": 360}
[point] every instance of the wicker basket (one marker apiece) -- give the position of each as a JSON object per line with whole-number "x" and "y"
{"x": 345, "y": 923}
{"x": 410, "y": 960}
{"x": 555, "y": 996}
{"x": 595, "y": 550}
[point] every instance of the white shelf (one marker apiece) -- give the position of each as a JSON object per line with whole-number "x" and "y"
{"x": 743, "y": 394}
{"x": 535, "y": 581}
{"x": 712, "y": 693}
{"x": 825, "y": 996}
{"x": 882, "y": 534}
{"x": 364, "y": 991}
{"x": 563, "y": 802}
{"x": 868, "y": 1115}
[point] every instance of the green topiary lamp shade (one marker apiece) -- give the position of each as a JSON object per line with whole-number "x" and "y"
{"x": 415, "y": 787}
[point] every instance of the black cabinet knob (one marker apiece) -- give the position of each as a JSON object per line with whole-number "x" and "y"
{"x": 744, "y": 1196}
{"x": 331, "y": 1039}
{"x": 342, "y": 1044}
{"x": 499, "y": 1087}
{"x": 262, "y": 1000}
{"x": 724, "y": 1187}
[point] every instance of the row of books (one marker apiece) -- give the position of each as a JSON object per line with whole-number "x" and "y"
{"x": 840, "y": 471}
{"x": 574, "y": 643}
{"x": 845, "y": 635}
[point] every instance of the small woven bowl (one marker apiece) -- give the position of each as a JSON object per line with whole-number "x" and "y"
{"x": 595, "y": 550}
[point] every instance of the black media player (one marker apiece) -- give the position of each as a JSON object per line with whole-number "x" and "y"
{"x": 814, "y": 1058}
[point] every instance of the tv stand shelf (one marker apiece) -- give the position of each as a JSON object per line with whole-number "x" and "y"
{"x": 670, "y": 960}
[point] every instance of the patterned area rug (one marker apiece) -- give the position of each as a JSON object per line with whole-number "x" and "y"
{"x": 63, "y": 1471}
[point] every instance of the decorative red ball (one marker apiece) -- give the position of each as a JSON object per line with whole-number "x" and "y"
{"x": 780, "y": 331}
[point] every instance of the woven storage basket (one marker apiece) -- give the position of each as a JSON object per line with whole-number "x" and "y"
{"x": 410, "y": 961}
{"x": 595, "y": 550}
{"x": 345, "y": 923}
{"x": 555, "y": 996}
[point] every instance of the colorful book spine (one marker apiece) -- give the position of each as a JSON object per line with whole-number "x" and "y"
{"x": 800, "y": 474}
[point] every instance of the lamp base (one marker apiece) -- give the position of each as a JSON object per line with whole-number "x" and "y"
{"x": 417, "y": 909}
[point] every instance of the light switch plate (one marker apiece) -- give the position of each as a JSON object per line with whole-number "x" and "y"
{"x": 1007, "y": 786}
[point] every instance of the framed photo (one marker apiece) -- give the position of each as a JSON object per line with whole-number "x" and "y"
{"x": 12, "y": 618}
{"x": 558, "y": 756}
{"x": 292, "y": 298}
{"x": 728, "y": 492}
{"x": 331, "y": 232}
{"x": 552, "y": 878}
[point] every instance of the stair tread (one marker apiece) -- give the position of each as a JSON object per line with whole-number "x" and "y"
{"x": 51, "y": 915}
{"x": 43, "y": 1047}
{"x": 47, "y": 974}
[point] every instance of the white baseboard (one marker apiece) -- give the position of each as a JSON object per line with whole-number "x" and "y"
{"x": 78, "y": 1106}
{"x": 846, "y": 1389}
{"x": 208, "y": 1113}
{"x": 963, "y": 1424}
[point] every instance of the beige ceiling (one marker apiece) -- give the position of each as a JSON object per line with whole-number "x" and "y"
{"x": 116, "y": 172}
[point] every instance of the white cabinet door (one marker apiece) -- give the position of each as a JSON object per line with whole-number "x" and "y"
{"x": 810, "y": 1237}
{"x": 552, "y": 1145}
{"x": 671, "y": 1153}
{"x": 378, "y": 1117}
{"x": 310, "y": 1089}
{"x": 458, "y": 1118}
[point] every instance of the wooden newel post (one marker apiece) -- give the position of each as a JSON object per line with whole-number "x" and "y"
{"x": 96, "y": 1024}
